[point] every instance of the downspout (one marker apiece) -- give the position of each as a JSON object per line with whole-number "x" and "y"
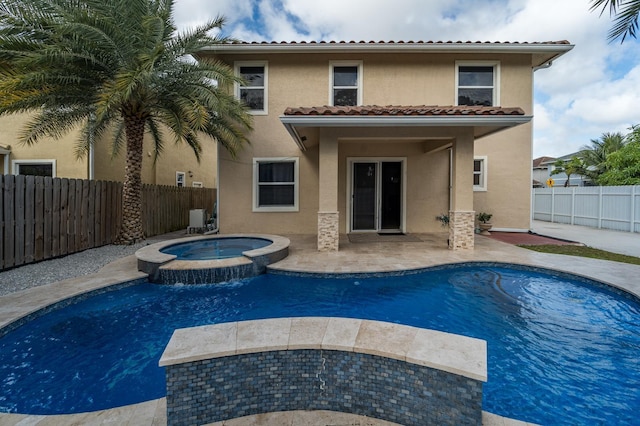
{"x": 531, "y": 197}
{"x": 92, "y": 170}
{"x": 216, "y": 204}
{"x": 92, "y": 137}
{"x": 450, "y": 175}
{"x": 542, "y": 67}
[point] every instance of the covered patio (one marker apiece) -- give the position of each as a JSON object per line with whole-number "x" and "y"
{"x": 434, "y": 128}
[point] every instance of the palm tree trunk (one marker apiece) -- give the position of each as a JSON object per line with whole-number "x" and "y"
{"x": 131, "y": 229}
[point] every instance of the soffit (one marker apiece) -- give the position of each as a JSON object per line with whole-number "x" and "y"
{"x": 303, "y": 123}
{"x": 541, "y": 52}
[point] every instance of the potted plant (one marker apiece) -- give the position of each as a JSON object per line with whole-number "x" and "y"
{"x": 444, "y": 219}
{"x": 485, "y": 224}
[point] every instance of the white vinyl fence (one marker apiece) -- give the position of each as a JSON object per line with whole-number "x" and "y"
{"x": 607, "y": 207}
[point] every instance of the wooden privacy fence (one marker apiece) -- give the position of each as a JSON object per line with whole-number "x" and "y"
{"x": 42, "y": 217}
{"x": 166, "y": 208}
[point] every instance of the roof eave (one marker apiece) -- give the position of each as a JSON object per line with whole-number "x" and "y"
{"x": 554, "y": 49}
{"x": 292, "y": 122}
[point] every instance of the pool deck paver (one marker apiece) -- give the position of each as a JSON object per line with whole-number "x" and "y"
{"x": 431, "y": 250}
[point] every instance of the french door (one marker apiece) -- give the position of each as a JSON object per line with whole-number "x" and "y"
{"x": 376, "y": 194}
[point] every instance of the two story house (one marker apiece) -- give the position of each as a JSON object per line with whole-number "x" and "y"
{"x": 382, "y": 137}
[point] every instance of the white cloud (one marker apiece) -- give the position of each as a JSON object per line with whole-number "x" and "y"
{"x": 189, "y": 13}
{"x": 591, "y": 90}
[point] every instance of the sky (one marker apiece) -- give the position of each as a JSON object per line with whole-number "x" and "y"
{"x": 591, "y": 90}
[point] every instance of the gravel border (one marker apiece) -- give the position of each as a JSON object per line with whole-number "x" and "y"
{"x": 71, "y": 266}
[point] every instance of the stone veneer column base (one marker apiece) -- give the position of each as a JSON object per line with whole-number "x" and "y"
{"x": 461, "y": 230}
{"x": 328, "y": 227}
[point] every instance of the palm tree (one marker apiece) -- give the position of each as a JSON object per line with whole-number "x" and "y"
{"x": 574, "y": 166}
{"x": 118, "y": 69}
{"x": 626, "y": 16}
{"x": 594, "y": 156}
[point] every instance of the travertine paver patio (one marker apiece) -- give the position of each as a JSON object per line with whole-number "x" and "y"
{"x": 431, "y": 250}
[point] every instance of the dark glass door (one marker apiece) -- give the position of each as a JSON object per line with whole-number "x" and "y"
{"x": 377, "y": 196}
{"x": 391, "y": 196}
{"x": 364, "y": 196}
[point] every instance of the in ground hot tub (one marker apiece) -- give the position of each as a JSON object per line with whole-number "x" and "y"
{"x": 215, "y": 248}
{"x": 211, "y": 259}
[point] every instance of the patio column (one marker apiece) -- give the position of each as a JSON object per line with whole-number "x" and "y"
{"x": 328, "y": 215}
{"x": 461, "y": 215}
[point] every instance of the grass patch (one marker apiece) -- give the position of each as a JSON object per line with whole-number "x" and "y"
{"x": 583, "y": 251}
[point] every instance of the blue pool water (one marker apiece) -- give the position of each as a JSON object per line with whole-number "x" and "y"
{"x": 216, "y": 248}
{"x": 560, "y": 350}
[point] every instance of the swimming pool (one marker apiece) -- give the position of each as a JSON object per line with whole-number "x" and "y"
{"x": 559, "y": 349}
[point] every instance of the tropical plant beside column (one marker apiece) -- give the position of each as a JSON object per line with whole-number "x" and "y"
{"x": 119, "y": 70}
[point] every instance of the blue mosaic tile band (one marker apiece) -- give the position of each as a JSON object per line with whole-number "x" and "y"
{"x": 229, "y": 387}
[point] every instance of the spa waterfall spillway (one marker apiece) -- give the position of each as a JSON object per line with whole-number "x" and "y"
{"x": 211, "y": 259}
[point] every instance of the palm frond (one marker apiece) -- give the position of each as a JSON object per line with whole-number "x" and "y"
{"x": 53, "y": 123}
{"x": 119, "y": 139}
{"x": 156, "y": 136}
{"x": 625, "y": 13}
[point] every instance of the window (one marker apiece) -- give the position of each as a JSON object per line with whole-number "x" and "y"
{"x": 275, "y": 184}
{"x": 477, "y": 83}
{"x": 34, "y": 167}
{"x": 480, "y": 174}
{"x": 254, "y": 93}
{"x": 197, "y": 184}
{"x": 346, "y": 83}
{"x": 180, "y": 179}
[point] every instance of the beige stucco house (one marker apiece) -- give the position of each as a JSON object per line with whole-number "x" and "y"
{"x": 57, "y": 158}
{"x": 382, "y": 137}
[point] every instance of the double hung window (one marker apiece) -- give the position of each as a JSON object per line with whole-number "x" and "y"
{"x": 254, "y": 91}
{"x": 477, "y": 84}
{"x": 346, "y": 83}
{"x": 275, "y": 184}
{"x": 480, "y": 174}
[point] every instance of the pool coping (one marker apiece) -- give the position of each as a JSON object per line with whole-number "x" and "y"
{"x": 453, "y": 353}
{"x": 18, "y": 305}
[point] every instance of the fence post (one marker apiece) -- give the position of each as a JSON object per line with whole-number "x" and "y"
{"x": 553, "y": 202}
{"x": 633, "y": 209}
{"x": 573, "y": 205}
{"x": 600, "y": 208}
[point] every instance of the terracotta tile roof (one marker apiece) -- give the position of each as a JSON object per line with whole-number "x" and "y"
{"x": 383, "y": 42}
{"x": 393, "y": 110}
{"x": 538, "y": 161}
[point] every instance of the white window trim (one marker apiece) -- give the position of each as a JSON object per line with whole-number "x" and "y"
{"x": 15, "y": 165}
{"x": 358, "y": 64}
{"x": 496, "y": 77}
{"x": 183, "y": 180}
{"x": 196, "y": 184}
{"x": 236, "y": 87}
{"x": 483, "y": 173}
{"x": 296, "y": 185}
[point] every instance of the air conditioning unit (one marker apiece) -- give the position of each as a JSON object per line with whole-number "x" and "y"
{"x": 197, "y": 219}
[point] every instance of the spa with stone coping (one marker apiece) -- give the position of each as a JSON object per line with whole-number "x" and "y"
{"x": 392, "y": 372}
{"x": 168, "y": 269}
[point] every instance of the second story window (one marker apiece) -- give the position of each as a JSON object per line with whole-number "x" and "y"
{"x": 477, "y": 84}
{"x": 346, "y": 84}
{"x": 254, "y": 92}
